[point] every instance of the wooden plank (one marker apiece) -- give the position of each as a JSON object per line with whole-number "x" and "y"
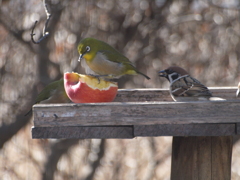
{"x": 185, "y": 130}
{"x": 141, "y": 95}
{"x": 154, "y": 94}
{"x": 117, "y": 132}
{"x": 135, "y": 131}
{"x": 237, "y": 128}
{"x": 186, "y": 152}
{"x": 201, "y": 158}
{"x": 202, "y": 164}
{"x": 221, "y": 157}
{"x": 136, "y": 113}
{"x": 228, "y": 93}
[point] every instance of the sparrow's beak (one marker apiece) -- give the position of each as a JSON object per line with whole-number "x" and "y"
{"x": 162, "y": 73}
{"x": 80, "y": 57}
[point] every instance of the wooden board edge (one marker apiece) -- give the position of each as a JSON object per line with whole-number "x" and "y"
{"x": 185, "y": 130}
{"x": 83, "y": 132}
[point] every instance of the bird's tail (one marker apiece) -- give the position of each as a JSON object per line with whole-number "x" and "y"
{"x": 143, "y": 75}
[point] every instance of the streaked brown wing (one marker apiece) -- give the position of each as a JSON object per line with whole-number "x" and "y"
{"x": 188, "y": 86}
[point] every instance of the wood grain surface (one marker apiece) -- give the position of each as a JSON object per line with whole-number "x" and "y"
{"x": 122, "y": 132}
{"x": 136, "y": 113}
{"x": 201, "y": 158}
{"x": 151, "y": 112}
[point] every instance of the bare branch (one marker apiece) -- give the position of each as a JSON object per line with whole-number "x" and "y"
{"x": 7, "y": 131}
{"x": 15, "y": 33}
{"x": 57, "y": 151}
{"x": 45, "y": 34}
{"x": 96, "y": 164}
{"x": 237, "y": 8}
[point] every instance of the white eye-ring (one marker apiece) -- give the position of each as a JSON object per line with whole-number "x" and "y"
{"x": 87, "y": 48}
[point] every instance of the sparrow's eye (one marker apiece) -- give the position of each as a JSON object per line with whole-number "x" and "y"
{"x": 170, "y": 71}
{"x": 175, "y": 76}
{"x": 87, "y": 48}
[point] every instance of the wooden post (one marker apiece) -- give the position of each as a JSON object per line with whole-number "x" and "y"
{"x": 201, "y": 158}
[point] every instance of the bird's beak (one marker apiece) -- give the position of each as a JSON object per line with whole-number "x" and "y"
{"x": 162, "y": 73}
{"x": 80, "y": 57}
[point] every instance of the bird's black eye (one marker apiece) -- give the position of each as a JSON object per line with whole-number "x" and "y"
{"x": 174, "y": 76}
{"x": 169, "y": 71}
{"x": 87, "y": 48}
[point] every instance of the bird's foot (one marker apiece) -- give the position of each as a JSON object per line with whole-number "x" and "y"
{"x": 104, "y": 77}
{"x": 96, "y": 76}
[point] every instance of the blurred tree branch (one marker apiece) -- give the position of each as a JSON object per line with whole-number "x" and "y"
{"x": 8, "y": 131}
{"x": 43, "y": 49}
{"x": 96, "y": 163}
{"x": 14, "y": 32}
{"x": 57, "y": 150}
{"x": 45, "y": 34}
{"x": 152, "y": 163}
{"x": 211, "y": 3}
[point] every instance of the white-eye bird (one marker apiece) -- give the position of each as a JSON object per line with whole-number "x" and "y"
{"x": 51, "y": 94}
{"x": 104, "y": 60}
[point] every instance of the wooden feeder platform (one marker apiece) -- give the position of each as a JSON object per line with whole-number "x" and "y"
{"x": 202, "y": 131}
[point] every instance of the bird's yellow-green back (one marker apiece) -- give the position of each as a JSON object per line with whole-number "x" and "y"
{"x": 101, "y": 47}
{"x": 53, "y": 93}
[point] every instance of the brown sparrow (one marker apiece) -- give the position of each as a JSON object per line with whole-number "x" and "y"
{"x": 183, "y": 87}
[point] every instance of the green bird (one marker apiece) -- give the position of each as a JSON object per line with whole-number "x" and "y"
{"x": 52, "y": 93}
{"x": 104, "y": 60}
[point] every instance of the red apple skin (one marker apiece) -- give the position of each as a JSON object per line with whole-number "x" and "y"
{"x": 87, "y": 89}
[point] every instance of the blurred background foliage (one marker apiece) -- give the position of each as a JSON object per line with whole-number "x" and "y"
{"x": 201, "y": 36}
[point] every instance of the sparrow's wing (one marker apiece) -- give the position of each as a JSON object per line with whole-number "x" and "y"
{"x": 188, "y": 86}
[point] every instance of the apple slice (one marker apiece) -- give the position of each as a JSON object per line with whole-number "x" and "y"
{"x": 88, "y": 89}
